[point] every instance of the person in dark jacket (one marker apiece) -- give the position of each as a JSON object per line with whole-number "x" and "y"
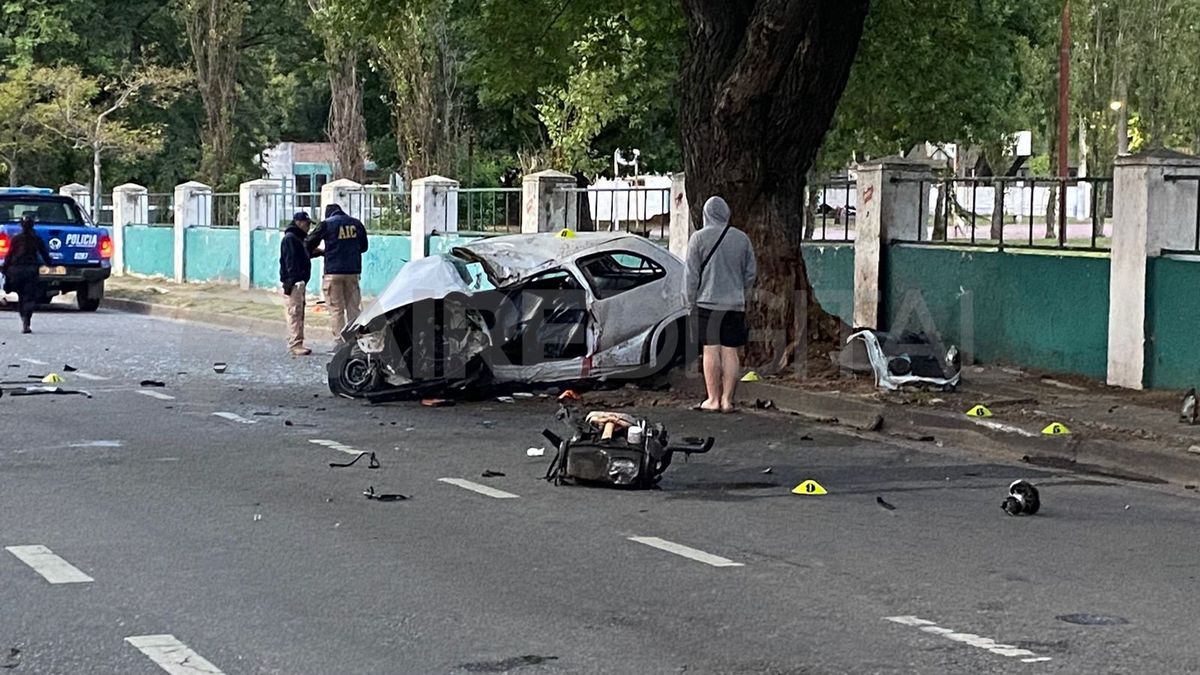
{"x": 26, "y": 253}
{"x": 345, "y": 241}
{"x": 295, "y": 271}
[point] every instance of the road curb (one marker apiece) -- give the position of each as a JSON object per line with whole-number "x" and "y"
{"x": 249, "y": 324}
{"x": 1133, "y": 460}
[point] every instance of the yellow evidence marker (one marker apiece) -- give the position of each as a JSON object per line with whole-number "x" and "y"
{"x": 1057, "y": 429}
{"x": 566, "y": 234}
{"x": 809, "y": 487}
{"x": 979, "y": 411}
{"x": 751, "y": 377}
{"x": 52, "y": 378}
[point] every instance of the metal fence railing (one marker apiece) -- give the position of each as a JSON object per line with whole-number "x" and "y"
{"x": 1015, "y": 212}
{"x": 491, "y": 210}
{"x": 831, "y": 210}
{"x": 645, "y": 211}
{"x": 160, "y": 209}
{"x": 1173, "y": 178}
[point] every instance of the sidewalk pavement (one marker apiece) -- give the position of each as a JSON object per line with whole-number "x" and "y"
{"x": 1135, "y": 435}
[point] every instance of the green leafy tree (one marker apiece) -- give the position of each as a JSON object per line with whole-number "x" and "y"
{"x": 21, "y": 134}
{"x": 84, "y": 111}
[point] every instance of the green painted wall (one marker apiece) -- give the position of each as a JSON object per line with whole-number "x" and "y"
{"x": 1046, "y": 311}
{"x": 1172, "y": 323}
{"x": 264, "y": 261}
{"x": 385, "y": 256}
{"x": 831, "y": 272}
{"x": 210, "y": 254}
{"x": 150, "y": 250}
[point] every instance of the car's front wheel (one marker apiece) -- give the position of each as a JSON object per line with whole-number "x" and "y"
{"x": 351, "y": 373}
{"x": 88, "y": 296}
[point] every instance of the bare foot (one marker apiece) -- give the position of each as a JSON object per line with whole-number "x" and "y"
{"x": 728, "y": 407}
{"x": 707, "y": 406}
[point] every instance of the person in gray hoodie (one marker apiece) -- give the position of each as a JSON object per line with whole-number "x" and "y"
{"x": 720, "y": 273}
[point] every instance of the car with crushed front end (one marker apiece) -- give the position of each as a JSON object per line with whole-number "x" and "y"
{"x": 518, "y": 310}
{"x": 80, "y": 252}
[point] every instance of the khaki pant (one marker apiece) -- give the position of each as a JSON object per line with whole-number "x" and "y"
{"x": 344, "y": 300}
{"x": 295, "y": 317}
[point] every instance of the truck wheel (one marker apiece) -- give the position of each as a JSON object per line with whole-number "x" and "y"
{"x": 88, "y": 297}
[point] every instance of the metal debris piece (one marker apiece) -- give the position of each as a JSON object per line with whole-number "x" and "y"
{"x": 1023, "y": 499}
{"x": 220, "y": 367}
{"x": 506, "y": 399}
{"x": 370, "y": 493}
{"x": 1092, "y": 619}
{"x": 884, "y": 503}
{"x": 767, "y": 470}
{"x": 49, "y": 391}
{"x": 535, "y": 452}
{"x": 492, "y": 474}
{"x": 374, "y": 464}
{"x": 1188, "y": 413}
{"x": 764, "y": 404}
{"x": 67, "y": 368}
{"x": 152, "y": 383}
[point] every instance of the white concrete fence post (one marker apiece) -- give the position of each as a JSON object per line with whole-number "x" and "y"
{"x": 259, "y": 208}
{"x": 889, "y": 198}
{"x": 1153, "y": 212}
{"x": 681, "y": 218}
{"x": 130, "y": 205}
{"x": 434, "y": 208}
{"x": 193, "y": 208}
{"x": 545, "y": 207}
{"x": 350, "y": 195}
{"x": 82, "y": 195}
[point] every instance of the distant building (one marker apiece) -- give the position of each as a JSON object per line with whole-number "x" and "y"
{"x": 303, "y": 169}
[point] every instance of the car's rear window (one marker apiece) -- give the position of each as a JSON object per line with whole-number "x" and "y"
{"x": 60, "y": 212}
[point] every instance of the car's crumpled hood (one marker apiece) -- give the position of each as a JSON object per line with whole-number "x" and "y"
{"x": 431, "y": 278}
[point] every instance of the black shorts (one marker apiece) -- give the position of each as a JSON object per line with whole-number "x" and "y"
{"x": 719, "y": 327}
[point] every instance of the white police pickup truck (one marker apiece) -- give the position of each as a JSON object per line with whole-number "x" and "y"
{"x": 80, "y": 252}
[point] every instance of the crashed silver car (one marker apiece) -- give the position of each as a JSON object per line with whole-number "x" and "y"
{"x": 519, "y": 309}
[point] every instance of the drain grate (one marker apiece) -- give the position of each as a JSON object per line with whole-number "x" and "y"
{"x": 1093, "y": 619}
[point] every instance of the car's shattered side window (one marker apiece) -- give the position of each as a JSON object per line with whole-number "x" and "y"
{"x": 613, "y": 273}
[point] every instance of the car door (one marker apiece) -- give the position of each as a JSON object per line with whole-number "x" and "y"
{"x": 627, "y": 290}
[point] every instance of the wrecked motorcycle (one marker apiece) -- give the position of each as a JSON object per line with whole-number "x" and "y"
{"x": 615, "y": 449}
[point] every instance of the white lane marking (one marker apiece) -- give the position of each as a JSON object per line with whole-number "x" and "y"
{"x": 96, "y": 444}
{"x": 1006, "y": 428}
{"x": 172, "y": 655}
{"x": 88, "y": 376}
{"x": 476, "y": 487}
{"x": 234, "y": 417}
{"x": 971, "y": 639}
{"x": 334, "y": 445}
{"x": 156, "y": 394}
{"x": 35, "y": 362}
{"x": 686, "y": 551}
{"x": 44, "y": 562}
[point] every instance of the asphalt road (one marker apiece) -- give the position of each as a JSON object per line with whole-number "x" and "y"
{"x": 227, "y": 543}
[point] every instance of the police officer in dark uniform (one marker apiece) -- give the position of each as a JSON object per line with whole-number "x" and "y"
{"x": 345, "y": 241}
{"x": 26, "y": 253}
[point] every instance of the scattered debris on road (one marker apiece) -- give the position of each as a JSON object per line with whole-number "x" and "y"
{"x": 220, "y": 367}
{"x": 373, "y": 464}
{"x": 67, "y": 368}
{"x": 492, "y": 474}
{"x": 506, "y": 399}
{"x": 535, "y": 452}
{"x": 370, "y": 493}
{"x": 902, "y": 359}
{"x": 1023, "y": 499}
{"x": 48, "y": 391}
{"x": 437, "y": 403}
{"x": 884, "y": 503}
{"x": 1189, "y": 412}
{"x": 152, "y": 383}
{"x": 764, "y": 404}
{"x": 768, "y": 470}
{"x": 614, "y": 449}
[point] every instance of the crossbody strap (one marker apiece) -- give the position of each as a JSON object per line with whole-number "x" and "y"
{"x": 711, "y": 252}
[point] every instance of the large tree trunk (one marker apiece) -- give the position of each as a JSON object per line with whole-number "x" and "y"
{"x": 214, "y": 28}
{"x": 346, "y": 127}
{"x": 759, "y": 90}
